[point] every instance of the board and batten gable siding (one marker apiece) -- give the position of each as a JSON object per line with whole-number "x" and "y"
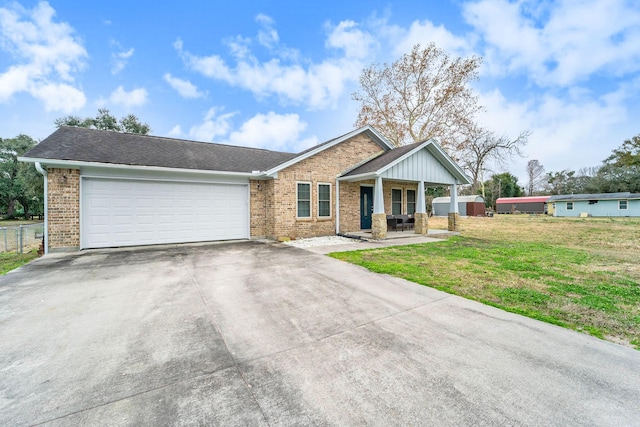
{"x": 603, "y": 208}
{"x": 415, "y": 168}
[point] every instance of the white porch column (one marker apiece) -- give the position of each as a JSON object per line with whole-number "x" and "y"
{"x": 454, "y": 216}
{"x": 378, "y": 219}
{"x": 421, "y": 206}
{"x": 453, "y": 207}
{"x": 378, "y": 197}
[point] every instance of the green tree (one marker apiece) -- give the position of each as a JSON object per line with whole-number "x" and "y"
{"x": 563, "y": 182}
{"x": 613, "y": 179}
{"x": 501, "y": 185}
{"x": 19, "y": 182}
{"x": 104, "y": 120}
{"x": 628, "y": 154}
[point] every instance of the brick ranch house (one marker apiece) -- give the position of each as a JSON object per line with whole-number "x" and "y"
{"x": 109, "y": 189}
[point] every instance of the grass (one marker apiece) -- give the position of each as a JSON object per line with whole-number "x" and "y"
{"x": 12, "y": 260}
{"x": 581, "y": 274}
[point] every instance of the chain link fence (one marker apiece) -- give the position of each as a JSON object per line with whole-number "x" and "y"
{"x": 21, "y": 238}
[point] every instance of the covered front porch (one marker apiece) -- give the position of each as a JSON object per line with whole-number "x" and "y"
{"x": 390, "y": 190}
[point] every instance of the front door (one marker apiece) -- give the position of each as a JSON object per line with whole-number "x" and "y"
{"x": 366, "y": 207}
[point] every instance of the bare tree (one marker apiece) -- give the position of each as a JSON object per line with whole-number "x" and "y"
{"x": 482, "y": 146}
{"x": 535, "y": 173}
{"x": 422, "y": 95}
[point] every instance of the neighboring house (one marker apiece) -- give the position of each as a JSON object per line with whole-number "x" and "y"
{"x": 467, "y": 206}
{"x": 606, "y": 204}
{"x": 529, "y": 205}
{"x": 109, "y": 189}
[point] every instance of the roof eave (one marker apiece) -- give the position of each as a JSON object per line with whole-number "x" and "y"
{"x": 359, "y": 177}
{"x": 73, "y": 164}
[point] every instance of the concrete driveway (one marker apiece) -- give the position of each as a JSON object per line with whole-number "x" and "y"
{"x": 265, "y": 334}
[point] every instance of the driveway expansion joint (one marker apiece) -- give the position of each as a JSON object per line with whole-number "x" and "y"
{"x": 226, "y": 346}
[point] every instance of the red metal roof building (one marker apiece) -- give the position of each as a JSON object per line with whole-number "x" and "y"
{"x": 532, "y": 204}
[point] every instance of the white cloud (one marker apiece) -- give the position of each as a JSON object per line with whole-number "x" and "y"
{"x": 133, "y": 98}
{"x": 59, "y": 97}
{"x": 46, "y": 56}
{"x": 120, "y": 59}
{"x": 267, "y": 34}
{"x": 349, "y": 37}
{"x": 175, "y": 132}
{"x": 425, "y": 32}
{"x": 314, "y": 85}
{"x": 565, "y": 133}
{"x": 213, "y": 126}
{"x": 557, "y": 43}
{"x": 273, "y": 131}
{"x": 185, "y": 88}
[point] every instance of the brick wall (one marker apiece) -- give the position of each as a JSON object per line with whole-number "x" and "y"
{"x": 398, "y": 185}
{"x": 350, "y": 205}
{"x": 261, "y": 221}
{"x": 281, "y": 218}
{"x": 63, "y": 208}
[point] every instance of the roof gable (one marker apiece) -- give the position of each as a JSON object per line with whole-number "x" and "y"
{"x": 83, "y": 145}
{"x": 421, "y": 161}
{"x": 367, "y": 130}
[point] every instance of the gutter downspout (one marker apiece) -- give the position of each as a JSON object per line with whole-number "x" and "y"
{"x": 337, "y": 206}
{"x": 43, "y": 172}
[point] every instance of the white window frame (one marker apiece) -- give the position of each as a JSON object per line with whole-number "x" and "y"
{"x": 330, "y": 201}
{"x": 569, "y": 206}
{"x": 401, "y": 201}
{"x": 310, "y": 200}
{"x": 626, "y": 205}
{"x": 415, "y": 200}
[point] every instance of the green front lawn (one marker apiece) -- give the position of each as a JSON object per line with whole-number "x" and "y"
{"x": 586, "y": 290}
{"x": 11, "y": 260}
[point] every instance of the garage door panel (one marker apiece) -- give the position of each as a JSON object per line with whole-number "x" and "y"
{"x": 136, "y": 212}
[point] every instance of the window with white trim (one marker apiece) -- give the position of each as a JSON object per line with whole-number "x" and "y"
{"x": 396, "y": 202}
{"x": 623, "y": 205}
{"x": 324, "y": 200}
{"x": 569, "y": 206}
{"x": 411, "y": 202}
{"x": 303, "y": 199}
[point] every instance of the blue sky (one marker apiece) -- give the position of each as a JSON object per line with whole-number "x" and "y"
{"x": 279, "y": 75}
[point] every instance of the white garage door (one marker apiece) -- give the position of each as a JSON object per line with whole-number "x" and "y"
{"x": 135, "y": 212}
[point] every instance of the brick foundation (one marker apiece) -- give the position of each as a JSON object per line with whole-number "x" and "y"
{"x": 454, "y": 222}
{"x": 379, "y": 226}
{"x": 422, "y": 223}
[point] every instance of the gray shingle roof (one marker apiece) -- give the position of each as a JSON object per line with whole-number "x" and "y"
{"x": 599, "y": 196}
{"x": 90, "y": 145}
{"x": 382, "y": 160}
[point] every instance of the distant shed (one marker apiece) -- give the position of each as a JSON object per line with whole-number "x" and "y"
{"x": 603, "y": 204}
{"x": 530, "y": 205}
{"x": 467, "y": 206}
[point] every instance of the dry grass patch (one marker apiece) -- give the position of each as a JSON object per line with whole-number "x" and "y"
{"x": 578, "y": 273}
